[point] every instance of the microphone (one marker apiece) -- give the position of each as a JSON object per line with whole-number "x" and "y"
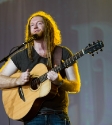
{"x": 33, "y": 37}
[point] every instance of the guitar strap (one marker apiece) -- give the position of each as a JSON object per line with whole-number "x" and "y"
{"x": 57, "y": 55}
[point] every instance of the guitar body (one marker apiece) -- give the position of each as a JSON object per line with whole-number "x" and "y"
{"x": 16, "y": 108}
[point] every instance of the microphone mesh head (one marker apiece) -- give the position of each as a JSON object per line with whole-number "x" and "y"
{"x": 35, "y": 36}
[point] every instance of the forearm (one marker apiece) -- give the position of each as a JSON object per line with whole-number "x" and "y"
{"x": 71, "y": 86}
{"x": 72, "y": 82}
{"x": 7, "y": 82}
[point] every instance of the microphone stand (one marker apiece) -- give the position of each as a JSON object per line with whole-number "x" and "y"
{"x": 34, "y": 37}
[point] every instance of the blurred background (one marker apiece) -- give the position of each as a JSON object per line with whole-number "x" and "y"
{"x": 81, "y": 22}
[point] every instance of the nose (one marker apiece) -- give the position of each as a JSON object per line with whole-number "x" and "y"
{"x": 35, "y": 26}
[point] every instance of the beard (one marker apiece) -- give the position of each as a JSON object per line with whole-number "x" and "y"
{"x": 40, "y": 35}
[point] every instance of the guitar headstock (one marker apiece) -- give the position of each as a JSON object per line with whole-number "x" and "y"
{"x": 94, "y": 47}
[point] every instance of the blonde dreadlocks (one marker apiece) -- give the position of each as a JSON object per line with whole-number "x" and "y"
{"x": 52, "y": 34}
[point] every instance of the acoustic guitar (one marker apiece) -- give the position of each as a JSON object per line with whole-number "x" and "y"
{"x": 23, "y": 102}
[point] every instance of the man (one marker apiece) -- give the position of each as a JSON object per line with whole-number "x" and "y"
{"x": 53, "y": 111}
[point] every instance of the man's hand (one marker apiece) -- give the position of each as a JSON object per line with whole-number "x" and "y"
{"x": 24, "y": 78}
{"x": 54, "y": 77}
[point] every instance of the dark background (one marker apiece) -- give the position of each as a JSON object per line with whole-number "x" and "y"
{"x": 81, "y": 22}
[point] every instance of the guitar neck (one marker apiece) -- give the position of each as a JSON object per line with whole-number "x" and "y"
{"x": 63, "y": 65}
{"x": 68, "y": 62}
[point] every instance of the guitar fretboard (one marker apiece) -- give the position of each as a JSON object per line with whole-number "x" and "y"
{"x": 63, "y": 65}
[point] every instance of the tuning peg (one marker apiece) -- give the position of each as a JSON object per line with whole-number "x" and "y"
{"x": 93, "y": 42}
{"x": 101, "y": 49}
{"x": 89, "y": 44}
{"x": 92, "y": 54}
{"x": 97, "y": 52}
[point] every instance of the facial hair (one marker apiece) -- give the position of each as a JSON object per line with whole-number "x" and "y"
{"x": 40, "y": 35}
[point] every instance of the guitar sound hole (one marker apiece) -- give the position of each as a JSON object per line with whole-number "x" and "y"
{"x": 35, "y": 83}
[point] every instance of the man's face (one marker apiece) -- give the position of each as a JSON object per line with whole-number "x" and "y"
{"x": 37, "y": 26}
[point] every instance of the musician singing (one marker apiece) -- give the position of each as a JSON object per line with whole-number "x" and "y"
{"x": 42, "y": 60}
